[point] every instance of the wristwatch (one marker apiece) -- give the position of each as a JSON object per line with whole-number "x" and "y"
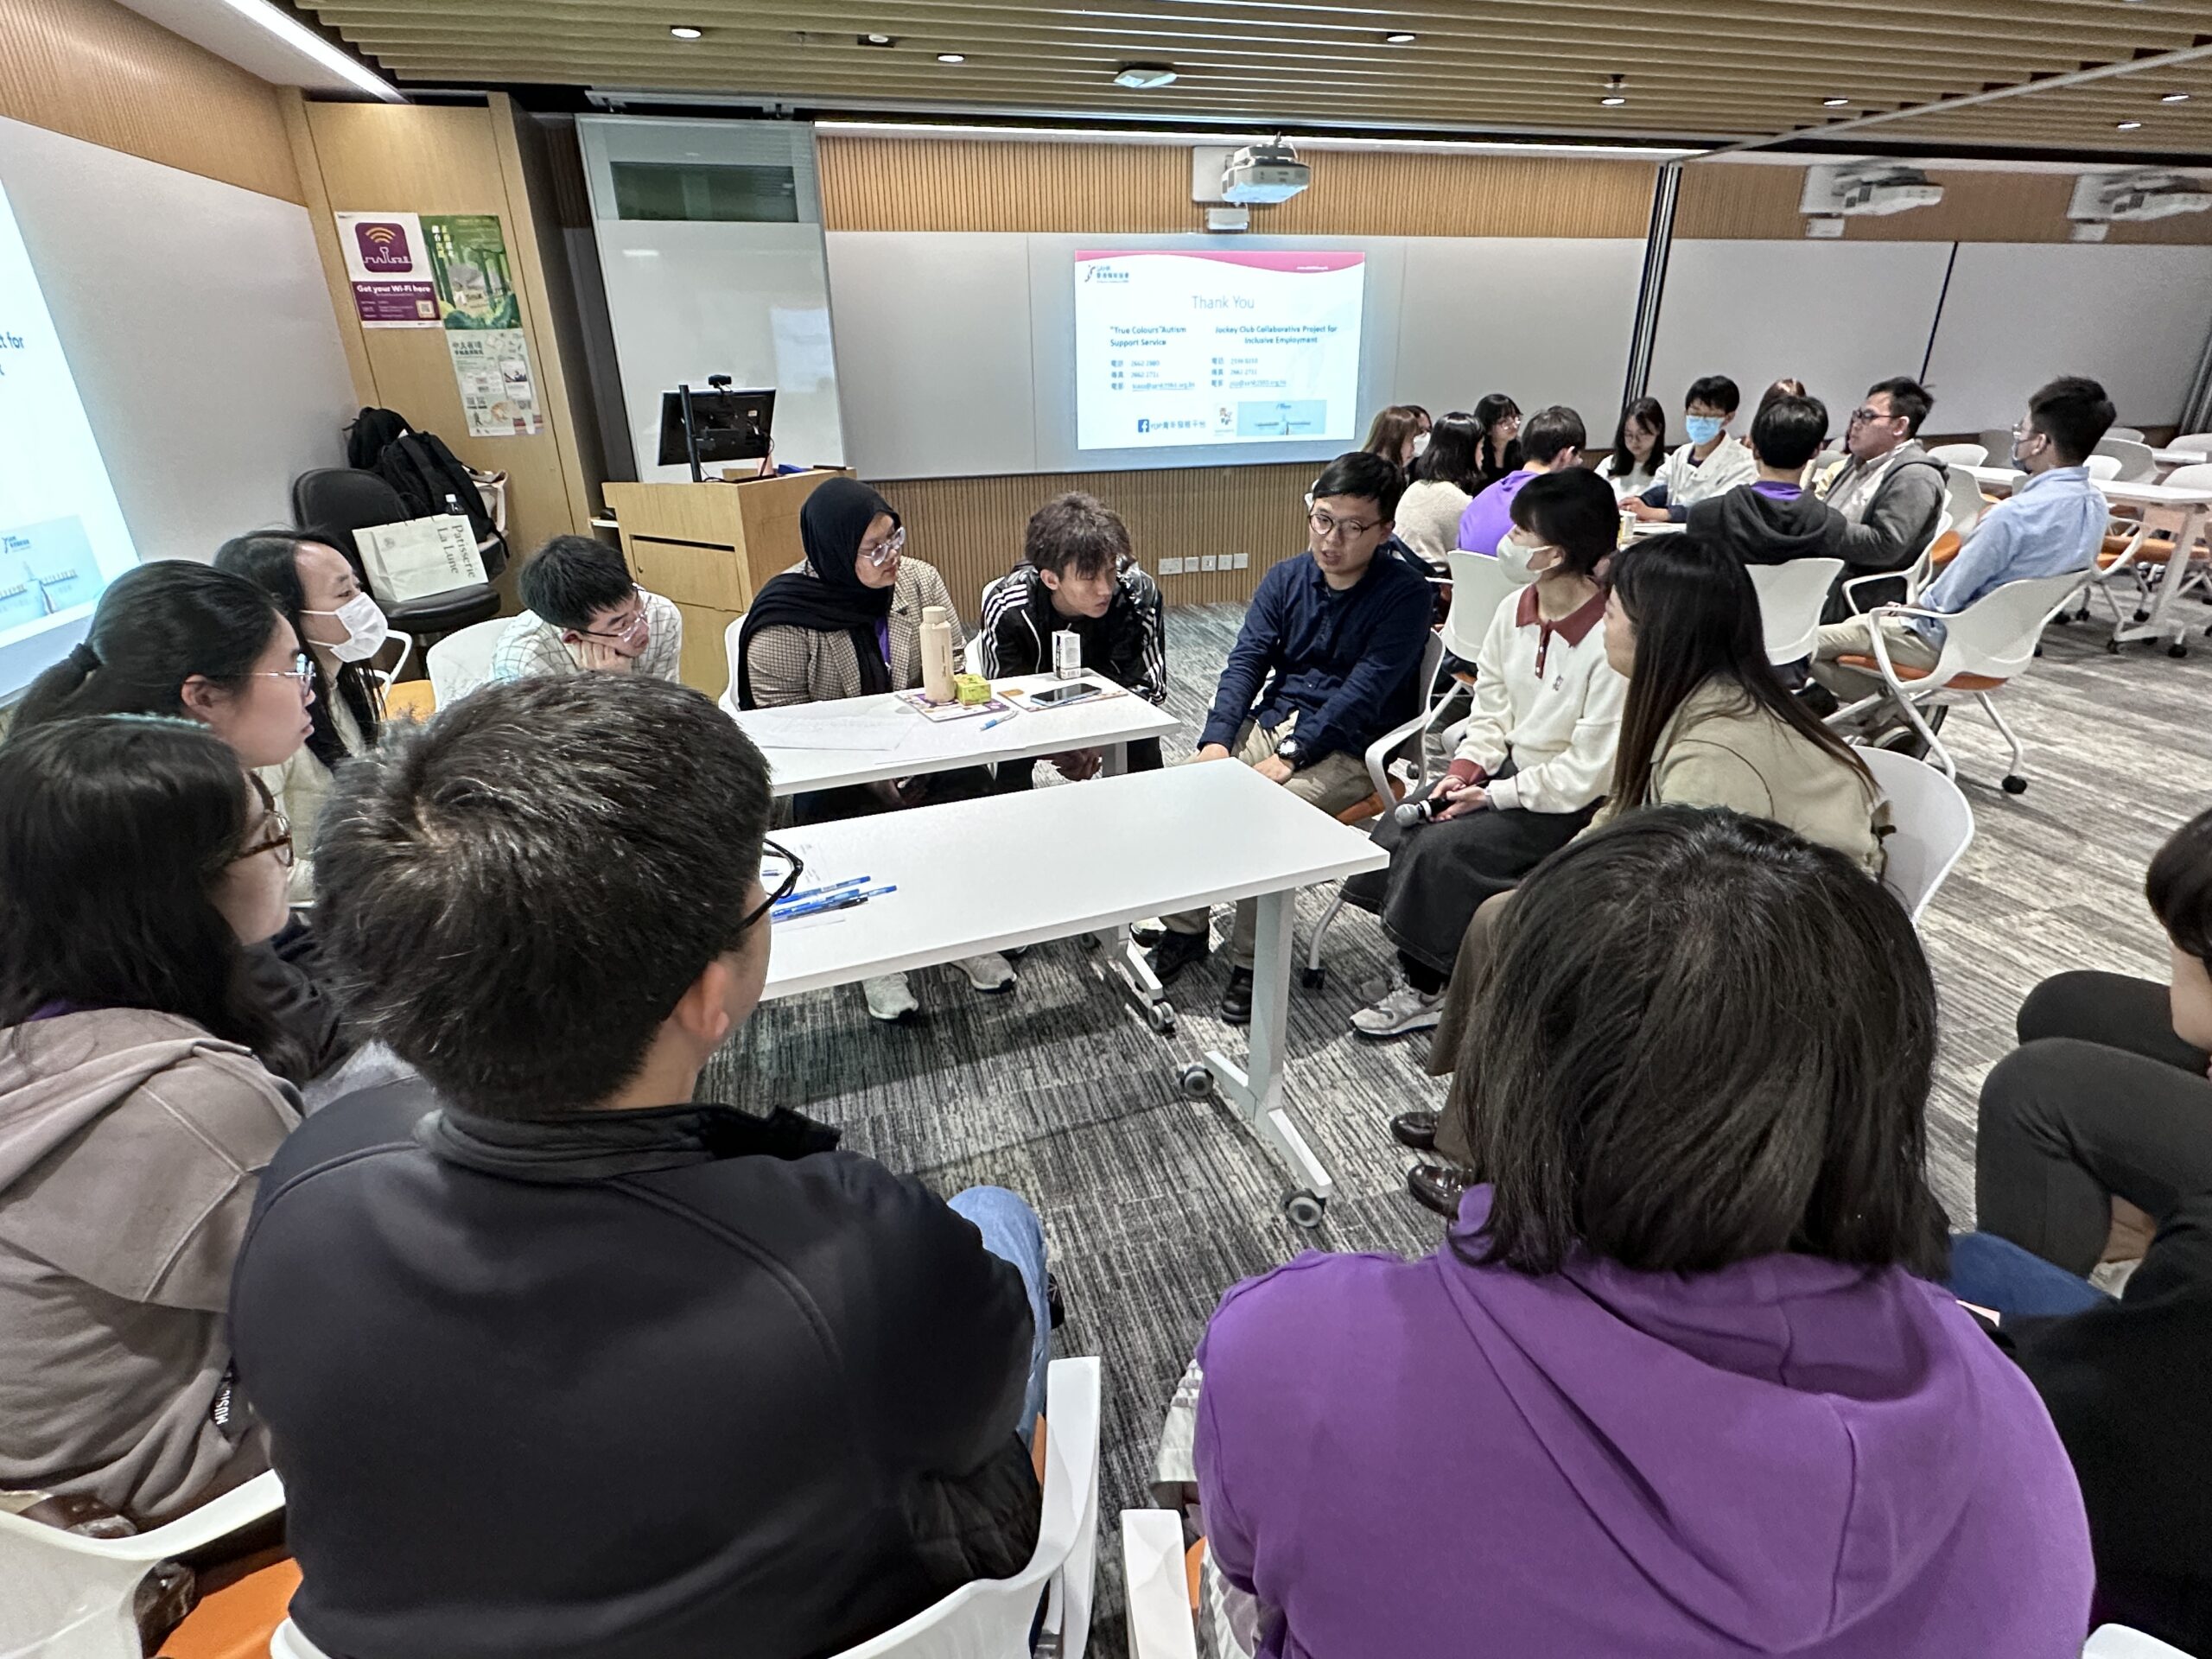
{"x": 1289, "y": 750}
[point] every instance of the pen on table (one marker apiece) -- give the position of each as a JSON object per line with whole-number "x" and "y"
{"x": 805, "y": 893}
{"x": 996, "y": 720}
{"x": 832, "y": 901}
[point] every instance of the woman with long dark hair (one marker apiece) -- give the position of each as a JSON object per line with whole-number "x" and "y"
{"x": 320, "y": 594}
{"x": 1498, "y": 418}
{"x": 138, "y": 864}
{"x": 1683, "y": 1350}
{"x": 1639, "y": 447}
{"x": 1446, "y": 476}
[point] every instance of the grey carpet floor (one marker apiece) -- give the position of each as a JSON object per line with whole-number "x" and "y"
{"x": 1153, "y": 1204}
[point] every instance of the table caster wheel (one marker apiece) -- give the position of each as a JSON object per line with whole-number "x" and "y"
{"x": 2016, "y": 785}
{"x": 2177, "y": 649}
{"x": 1314, "y": 978}
{"x": 2113, "y": 647}
{"x": 2142, "y": 616}
{"x": 1161, "y": 1019}
{"x": 1197, "y": 1080}
{"x": 1305, "y": 1210}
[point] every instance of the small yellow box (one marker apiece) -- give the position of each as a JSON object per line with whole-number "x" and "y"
{"x": 971, "y": 688}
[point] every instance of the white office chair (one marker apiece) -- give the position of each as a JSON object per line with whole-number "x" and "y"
{"x": 1960, "y": 454}
{"x": 1479, "y": 585}
{"x": 1998, "y": 442}
{"x": 2152, "y": 539}
{"x": 2200, "y": 442}
{"x": 66, "y": 1597}
{"x": 461, "y": 662}
{"x": 2131, "y": 434}
{"x": 2136, "y": 465}
{"x": 976, "y": 658}
{"x": 1964, "y": 500}
{"x": 990, "y": 1618}
{"x": 2104, "y": 468}
{"x": 1412, "y": 738}
{"x": 1916, "y": 575}
{"x": 1932, "y": 823}
{"x": 1791, "y": 598}
{"x": 2118, "y": 1642}
{"x": 727, "y": 701}
{"x": 1986, "y": 646}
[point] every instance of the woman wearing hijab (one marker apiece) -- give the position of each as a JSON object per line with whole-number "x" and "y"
{"x": 846, "y": 622}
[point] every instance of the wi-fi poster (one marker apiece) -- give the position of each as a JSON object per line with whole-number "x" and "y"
{"x": 388, "y": 261}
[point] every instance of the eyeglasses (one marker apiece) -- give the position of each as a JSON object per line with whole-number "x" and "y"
{"x": 1860, "y": 416}
{"x": 1328, "y": 527}
{"x": 784, "y": 888}
{"x": 887, "y": 550}
{"x": 626, "y": 629}
{"x": 303, "y": 669}
{"x": 276, "y": 830}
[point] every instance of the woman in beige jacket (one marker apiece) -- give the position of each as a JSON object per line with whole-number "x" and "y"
{"x": 1706, "y": 723}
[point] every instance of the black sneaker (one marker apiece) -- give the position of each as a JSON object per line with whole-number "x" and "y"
{"x": 1177, "y": 951}
{"x": 1237, "y": 997}
{"x": 1414, "y": 1131}
{"x": 1438, "y": 1187}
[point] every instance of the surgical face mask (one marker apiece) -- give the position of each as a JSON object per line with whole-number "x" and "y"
{"x": 1513, "y": 556}
{"x": 366, "y": 629}
{"x": 1704, "y": 429}
{"x": 1420, "y": 443}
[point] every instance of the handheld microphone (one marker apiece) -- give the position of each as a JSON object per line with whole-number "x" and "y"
{"x": 1414, "y": 812}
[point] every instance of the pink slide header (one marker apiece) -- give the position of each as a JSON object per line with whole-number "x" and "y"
{"x": 1256, "y": 261}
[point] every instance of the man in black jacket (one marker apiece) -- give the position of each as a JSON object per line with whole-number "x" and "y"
{"x": 1773, "y": 520}
{"x": 575, "y": 1369}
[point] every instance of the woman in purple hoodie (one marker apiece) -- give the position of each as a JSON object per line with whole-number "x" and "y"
{"x": 1676, "y": 1383}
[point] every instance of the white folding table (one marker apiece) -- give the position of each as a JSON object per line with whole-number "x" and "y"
{"x": 2193, "y": 508}
{"x": 1146, "y": 843}
{"x": 927, "y": 746}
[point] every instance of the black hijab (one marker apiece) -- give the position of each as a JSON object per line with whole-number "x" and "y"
{"x": 832, "y": 598}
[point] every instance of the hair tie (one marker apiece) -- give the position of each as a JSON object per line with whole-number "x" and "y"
{"x": 84, "y": 656}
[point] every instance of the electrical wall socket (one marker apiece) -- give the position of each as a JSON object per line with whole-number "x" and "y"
{"x": 1240, "y": 560}
{"x": 1209, "y": 562}
{"x": 1171, "y": 567}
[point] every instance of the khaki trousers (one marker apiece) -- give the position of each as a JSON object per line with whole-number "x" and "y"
{"x": 1332, "y": 783}
{"x": 1909, "y": 648}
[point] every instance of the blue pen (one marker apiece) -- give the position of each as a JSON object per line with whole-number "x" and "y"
{"x": 805, "y": 893}
{"x": 996, "y": 720}
{"x": 832, "y": 901}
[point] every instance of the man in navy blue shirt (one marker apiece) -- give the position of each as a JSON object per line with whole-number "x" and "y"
{"x": 1327, "y": 662}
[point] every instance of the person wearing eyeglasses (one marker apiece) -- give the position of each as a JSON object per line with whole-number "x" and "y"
{"x": 1328, "y": 660}
{"x": 138, "y": 863}
{"x": 722, "y": 1374}
{"x": 178, "y": 638}
{"x": 584, "y": 614}
{"x": 1889, "y": 491}
{"x": 1551, "y": 442}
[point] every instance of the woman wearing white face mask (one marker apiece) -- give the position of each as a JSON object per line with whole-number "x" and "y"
{"x": 1535, "y": 762}
{"x": 317, "y": 589}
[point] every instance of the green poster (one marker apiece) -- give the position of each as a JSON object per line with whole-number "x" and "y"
{"x": 468, "y": 262}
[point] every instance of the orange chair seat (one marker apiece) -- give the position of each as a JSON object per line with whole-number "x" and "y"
{"x": 1957, "y": 683}
{"x": 2156, "y": 550}
{"x": 1945, "y": 549}
{"x": 410, "y": 700}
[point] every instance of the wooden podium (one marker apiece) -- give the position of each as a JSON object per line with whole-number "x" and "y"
{"x": 710, "y": 548}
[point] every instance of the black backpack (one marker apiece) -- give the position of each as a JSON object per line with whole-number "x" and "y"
{"x": 425, "y": 473}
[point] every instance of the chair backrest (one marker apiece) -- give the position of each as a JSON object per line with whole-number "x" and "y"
{"x": 344, "y": 499}
{"x": 2200, "y": 442}
{"x": 1479, "y": 585}
{"x": 2136, "y": 463}
{"x": 1966, "y": 501}
{"x": 1931, "y": 824}
{"x": 1960, "y": 454}
{"x": 728, "y": 698}
{"x": 2132, "y": 434}
{"x": 66, "y": 1597}
{"x": 2118, "y": 1642}
{"x": 1791, "y": 598}
{"x": 461, "y": 662}
{"x": 2197, "y": 475}
{"x": 1996, "y": 635}
{"x": 1997, "y": 442}
{"x": 2104, "y": 467}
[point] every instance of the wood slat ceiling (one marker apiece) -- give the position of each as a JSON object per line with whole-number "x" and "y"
{"x": 1695, "y": 69}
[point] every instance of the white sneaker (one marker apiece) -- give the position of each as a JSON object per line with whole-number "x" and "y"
{"x": 1403, "y": 1010}
{"x": 890, "y": 998}
{"x": 990, "y": 972}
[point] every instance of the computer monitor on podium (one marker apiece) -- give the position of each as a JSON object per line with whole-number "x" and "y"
{"x": 715, "y": 426}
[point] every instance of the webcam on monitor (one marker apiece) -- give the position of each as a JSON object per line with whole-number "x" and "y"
{"x": 714, "y": 426}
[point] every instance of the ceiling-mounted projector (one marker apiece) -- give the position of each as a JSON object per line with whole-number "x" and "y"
{"x": 1853, "y": 188}
{"x": 1259, "y": 173}
{"x": 2139, "y": 193}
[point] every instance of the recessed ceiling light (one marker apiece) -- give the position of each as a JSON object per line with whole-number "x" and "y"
{"x": 1144, "y": 76}
{"x": 876, "y": 40}
{"x": 1836, "y": 103}
{"x": 2127, "y": 126}
{"x": 685, "y": 31}
{"x": 1612, "y": 100}
{"x": 2175, "y": 98}
{"x": 952, "y": 57}
{"x": 1400, "y": 38}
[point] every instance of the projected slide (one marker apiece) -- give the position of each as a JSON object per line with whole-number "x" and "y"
{"x": 1199, "y": 347}
{"x": 62, "y": 537}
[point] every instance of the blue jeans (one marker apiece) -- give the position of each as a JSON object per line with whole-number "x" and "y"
{"x": 1011, "y": 1232}
{"x": 1996, "y": 1274}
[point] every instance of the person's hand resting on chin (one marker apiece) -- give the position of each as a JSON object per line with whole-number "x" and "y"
{"x": 597, "y": 656}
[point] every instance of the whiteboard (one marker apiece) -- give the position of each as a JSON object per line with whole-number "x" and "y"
{"x": 1838, "y": 316}
{"x": 2020, "y": 314}
{"x": 1544, "y": 320}
{"x": 198, "y": 326}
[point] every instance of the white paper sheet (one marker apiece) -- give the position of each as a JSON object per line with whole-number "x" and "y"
{"x": 814, "y": 726}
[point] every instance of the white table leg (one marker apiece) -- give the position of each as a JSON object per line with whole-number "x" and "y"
{"x": 1116, "y": 761}
{"x": 1257, "y": 1094}
{"x": 2159, "y": 624}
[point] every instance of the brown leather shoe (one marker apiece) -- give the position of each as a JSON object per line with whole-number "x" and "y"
{"x": 1438, "y": 1187}
{"x": 1414, "y": 1131}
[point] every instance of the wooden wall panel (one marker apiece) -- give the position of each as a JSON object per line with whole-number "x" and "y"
{"x": 947, "y": 184}
{"x": 1743, "y": 202}
{"x": 971, "y": 528}
{"x": 96, "y": 71}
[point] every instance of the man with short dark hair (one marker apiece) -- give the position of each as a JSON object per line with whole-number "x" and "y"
{"x": 1079, "y": 574}
{"x": 1711, "y": 463}
{"x": 1889, "y": 491}
{"x": 1771, "y": 520}
{"x": 1551, "y": 441}
{"x": 2053, "y": 523}
{"x": 578, "y": 1367}
{"x": 584, "y": 612}
{"x": 1328, "y": 660}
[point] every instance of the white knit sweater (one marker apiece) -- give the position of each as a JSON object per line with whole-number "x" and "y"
{"x": 1558, "y": 722}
